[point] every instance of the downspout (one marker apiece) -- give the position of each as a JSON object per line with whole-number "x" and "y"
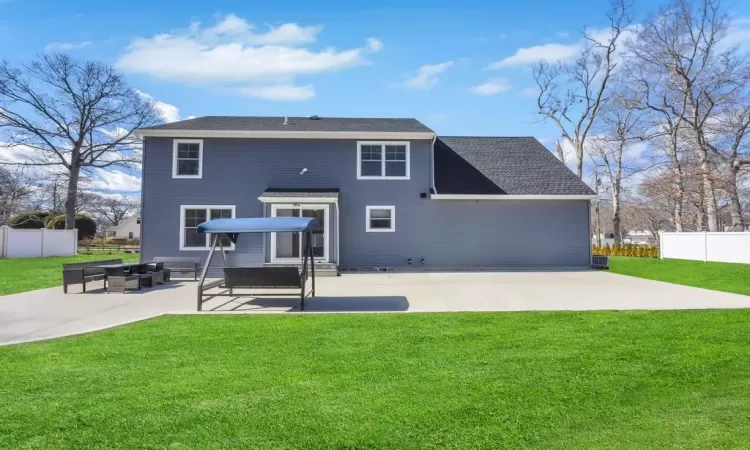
{"x": 143, "y": 201}
{"x": 432, "y": 166}
{"x": 338, "y": 233}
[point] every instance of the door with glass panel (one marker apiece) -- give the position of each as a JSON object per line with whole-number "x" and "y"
{"x": 288, "y": 247}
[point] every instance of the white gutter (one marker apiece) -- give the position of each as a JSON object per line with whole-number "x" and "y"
{"x": 172, "y": 133}
{"x": 509, "y": 197}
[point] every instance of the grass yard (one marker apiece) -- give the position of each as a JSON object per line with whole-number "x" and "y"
{"x": 718, "y": 276}
{"x": 474, "y": 380}
{"x": 28, "y": 274}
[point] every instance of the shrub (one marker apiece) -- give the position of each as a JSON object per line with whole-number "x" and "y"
{"x": 30, "y": 220}
{"x": 114, "y": 240}
{"x": 633, "y": 250}
{"x": 85, "y": 225}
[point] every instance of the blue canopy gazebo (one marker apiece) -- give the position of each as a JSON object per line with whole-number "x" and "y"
{"x": 258, "y": 277}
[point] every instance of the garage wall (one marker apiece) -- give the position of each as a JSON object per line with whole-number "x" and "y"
{"x": 472, "y": 234}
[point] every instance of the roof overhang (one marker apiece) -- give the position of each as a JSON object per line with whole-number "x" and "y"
{"x": 509, "y": 197}
{"x": 238, "y": 134}
{"x": 291, "y": 199}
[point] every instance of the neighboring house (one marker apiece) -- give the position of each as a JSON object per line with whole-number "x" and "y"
{"x": 387, "y": 193}
{"x": 129, "y": 228}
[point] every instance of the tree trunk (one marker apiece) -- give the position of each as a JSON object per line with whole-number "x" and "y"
{"x": 679, "y": 199}
{"x": 709, "y": 196}
{"x": 616, "y": 215}
{"x": 735, "y": 207}
{"x": 709, "y": 199}
{"x": 579, "y": 158}
{"x": 70, "y": 198}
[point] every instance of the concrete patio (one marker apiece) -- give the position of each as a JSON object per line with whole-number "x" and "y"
{"x": 49, "y": 313}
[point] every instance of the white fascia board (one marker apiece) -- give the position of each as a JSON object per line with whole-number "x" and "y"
{"x": 298, "y": 199}
{"x": 510, "y": 197}
{"x": 361, "y": 135}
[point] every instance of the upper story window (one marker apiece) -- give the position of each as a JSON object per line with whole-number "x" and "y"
{"x": 382, "y": 160}
{"x": 187, "y": 158}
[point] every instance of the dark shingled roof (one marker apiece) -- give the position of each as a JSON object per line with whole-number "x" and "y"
{"x": 501, "y": 165}
{"x": 351, "y": 124}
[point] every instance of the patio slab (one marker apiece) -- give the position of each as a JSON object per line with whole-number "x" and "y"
{"x": 49, "y": 313}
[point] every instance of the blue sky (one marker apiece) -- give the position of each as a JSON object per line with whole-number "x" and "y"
{"x": 432, "y": 60}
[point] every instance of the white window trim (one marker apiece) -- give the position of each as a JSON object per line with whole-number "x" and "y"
{"x": 380, "y": 230}
{"x": 382, "y": 161}
{"x": 208, "y": 217}
{"x": 200, "y": 157}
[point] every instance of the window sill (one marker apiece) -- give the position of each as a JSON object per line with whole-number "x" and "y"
{"x": 381, "y": 178}
{"x": 202, "y": 249}
{"x": 375, "y": 230}
{"x": 187, "y": 176}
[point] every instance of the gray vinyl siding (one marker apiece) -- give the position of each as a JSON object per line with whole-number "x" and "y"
{"x": 447, "y": 234}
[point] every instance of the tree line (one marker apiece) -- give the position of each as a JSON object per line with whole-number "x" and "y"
{"x": 655, "y": 115}
{"x": 38, "y": 201}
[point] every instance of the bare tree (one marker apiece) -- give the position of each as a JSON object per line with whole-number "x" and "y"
{"x": 114, "y": 209}
{"x": 573, "y": 95}
{"x": 650, "y": 91}
{"x": 620, "y": 132}
{"x": 15, "y": 190}
{"x": 71, "y": 115}
{"x": 683, "y": 41}
{"x": 733, "y": 152}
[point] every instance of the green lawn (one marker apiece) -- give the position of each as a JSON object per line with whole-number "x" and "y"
{"x": 27, "y": 274}
{"x": 472, "y": 380}
{"x": 718, "y": 276}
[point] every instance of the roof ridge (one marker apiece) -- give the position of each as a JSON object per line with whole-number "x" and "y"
{"x": 490, "y": 137}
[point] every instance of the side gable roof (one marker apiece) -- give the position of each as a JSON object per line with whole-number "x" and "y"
{"x": 321, "y": 124}
{"x": 501, "y": 166}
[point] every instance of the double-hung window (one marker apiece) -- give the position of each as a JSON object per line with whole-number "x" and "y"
{"x": 382, "y": 160}
{"x": 193, "y": 215}
{"x": 381, "y": 218}
{"x": 187, "y": 158}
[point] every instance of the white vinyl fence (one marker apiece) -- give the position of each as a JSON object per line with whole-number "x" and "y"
{"x": 18, "y": 243}
{"x": 721, "y": 247}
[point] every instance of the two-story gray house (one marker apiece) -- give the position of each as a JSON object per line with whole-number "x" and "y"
{"x": 387, "y": 193}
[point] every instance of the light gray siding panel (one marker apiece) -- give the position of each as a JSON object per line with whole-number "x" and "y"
{"x": 477, "y": 234}
{"x": 447, "y": 234}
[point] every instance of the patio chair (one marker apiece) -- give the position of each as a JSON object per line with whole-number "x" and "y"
{"x": 156, "y": 269}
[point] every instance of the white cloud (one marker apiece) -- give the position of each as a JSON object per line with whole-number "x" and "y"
{"x": 553, "y": 52}
{"x": 66, "y": 46}
{"x": 374, "y": 45}
{"x": 168, "y": 112}
{"x": 530, "y": 92}
{"x": 738, "y": 34}
{"x": 532, "y": 55}
{"x": 238, "y": 29}
{"x": 113, "y": 180}
{"x": 427, "y": 76}
{"x": 283, "y": 93}
{"x": 492, "y": 87}
{"x": 233, "y": 53}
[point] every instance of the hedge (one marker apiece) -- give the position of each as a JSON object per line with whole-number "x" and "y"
{"x": 641, "y": 251}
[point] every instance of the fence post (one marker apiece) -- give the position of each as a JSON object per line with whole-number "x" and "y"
{"x": 661, "y": 244}
{"x": 3, "y": 232}
{"x": 75, "y": 241}
{"x": 44, "y": 233}
{"x": 705, "y": 246}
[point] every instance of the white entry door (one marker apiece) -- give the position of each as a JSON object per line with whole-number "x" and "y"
{"x": 289, "y": 247}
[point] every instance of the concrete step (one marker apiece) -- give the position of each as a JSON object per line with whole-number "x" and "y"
{"x": 321, "y": 269}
